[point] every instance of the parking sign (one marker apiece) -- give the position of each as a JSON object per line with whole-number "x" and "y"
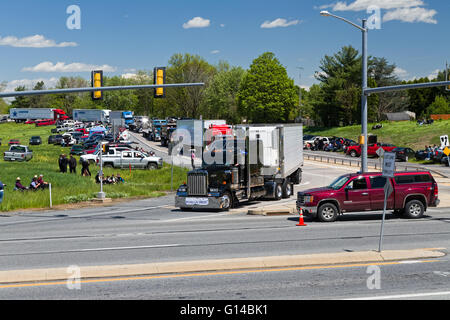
{"x": 389, "y": 165}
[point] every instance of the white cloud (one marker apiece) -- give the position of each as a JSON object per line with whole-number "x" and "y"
{"x": 401, "y": 73}
{"x": 30, "y": 83}
{"x": 36, "y": 41}
{"x": 277, "y": 23}
{"x": 63, "y": 67}
{"x": 362, "y": 5}
{"x": 215, "y": 52}
{"x": 434, "y": 74}
{"x": 411, "y": 15}
{"x": 411, "y": 11}
{"x": 197, "y": 22}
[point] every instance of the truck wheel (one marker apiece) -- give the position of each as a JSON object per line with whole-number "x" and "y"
{"x": 327, "y": 212}
{"x": 227, "y": 201}
{"x": 287, "y": 190}
{"x": 278, "y": 192}
{"x": 414, "y": 209}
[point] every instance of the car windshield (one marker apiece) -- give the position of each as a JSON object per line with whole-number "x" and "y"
{"x": 339, "y": 182}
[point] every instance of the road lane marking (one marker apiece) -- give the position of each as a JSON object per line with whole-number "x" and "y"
{"x": 404, "y": 296}
{"x": 204, "y": 274}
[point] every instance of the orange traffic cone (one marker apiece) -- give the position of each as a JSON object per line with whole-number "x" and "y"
{"x": 301, "y": 222}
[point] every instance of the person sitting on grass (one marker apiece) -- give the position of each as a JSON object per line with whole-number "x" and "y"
{"x": 19, "y": 186}
{"x": 42, "y": 183}
{"x": 34, "y": 184}
{"x": 120, "y": 179}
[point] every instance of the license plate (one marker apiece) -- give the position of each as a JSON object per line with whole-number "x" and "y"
{"x": 197, "y": 201}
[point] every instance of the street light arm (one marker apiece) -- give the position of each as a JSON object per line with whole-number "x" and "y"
{"x": 345, "y": 20}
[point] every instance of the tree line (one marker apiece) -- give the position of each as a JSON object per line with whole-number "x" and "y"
{"x": 262, "y": 94}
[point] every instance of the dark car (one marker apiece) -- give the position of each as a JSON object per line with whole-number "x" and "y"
{"x": 55, "y": 139}
{"x": 35, "y": 141}
{"x": 404, "y": 154}
{"x": 77, "y": 150}
{"x": 445, "y": 160}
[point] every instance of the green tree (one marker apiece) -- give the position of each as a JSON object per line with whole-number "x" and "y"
{"x": 220, "y": 95}
{"x": 21, "y": 102}
{"x": 267, "y": 94}
{"x": 439, "y": 106}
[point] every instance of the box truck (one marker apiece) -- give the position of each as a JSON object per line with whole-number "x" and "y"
{"x": 90, "y": 115}
{"x": 261, "y": 161}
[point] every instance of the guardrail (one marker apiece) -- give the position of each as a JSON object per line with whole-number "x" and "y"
{"x": 356, "y": 162}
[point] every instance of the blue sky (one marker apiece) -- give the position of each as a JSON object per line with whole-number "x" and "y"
{"x": 124, "y": 36}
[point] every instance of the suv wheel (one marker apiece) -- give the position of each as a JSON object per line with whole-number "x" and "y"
{"x": 152, "y": 166}
{"x": 353, "y": 154}
{"x": 414, "y": 209}
{"x": 327, "y": 212}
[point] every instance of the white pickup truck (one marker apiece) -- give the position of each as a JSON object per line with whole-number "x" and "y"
{"x": 18, "y": 153}
{"x": 122, "y": 157}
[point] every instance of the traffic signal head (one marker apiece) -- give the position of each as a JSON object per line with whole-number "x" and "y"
{"x": 159, "y": 75}
{"x": 97, "y": 82}
{"x": 105, "y": 148}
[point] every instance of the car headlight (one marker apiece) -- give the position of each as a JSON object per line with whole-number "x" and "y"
{"x": 213, "y": 189}
{"x": 182, "y": 189}
{"x": 309, "y": 199}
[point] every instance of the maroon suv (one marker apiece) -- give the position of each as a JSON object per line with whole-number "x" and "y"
{"x": 413, "y": 193}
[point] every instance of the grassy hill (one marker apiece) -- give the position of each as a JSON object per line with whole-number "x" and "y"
{"x": 67, "y": 188}
{"x": 402, "y": 134}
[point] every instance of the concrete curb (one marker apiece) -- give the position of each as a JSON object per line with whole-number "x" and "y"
{"x": 90, "y": 272}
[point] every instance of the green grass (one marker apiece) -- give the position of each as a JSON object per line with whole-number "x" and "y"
{"x": 70, "y": 188}
{"x": 401, "y": 134}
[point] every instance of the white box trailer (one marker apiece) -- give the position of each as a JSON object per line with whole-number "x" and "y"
{"x": 31, "y": 114}
{"x": 192, "y": 132}
{"x": 90, "y": 115}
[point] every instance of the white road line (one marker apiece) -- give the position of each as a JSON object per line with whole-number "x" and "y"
{"x": 405, "y": 296}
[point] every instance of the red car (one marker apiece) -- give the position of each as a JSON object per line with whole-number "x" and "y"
{"x": 44, "y": 123}
{"x": 14, "y": 142}
{"x": 413, "y": 193}
{"x": 355, "y": 151}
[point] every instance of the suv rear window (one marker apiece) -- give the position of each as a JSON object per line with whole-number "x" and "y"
{"x": 418, "y": 178}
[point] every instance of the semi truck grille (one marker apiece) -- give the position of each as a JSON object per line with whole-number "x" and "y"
{"x": 197, "y": 184}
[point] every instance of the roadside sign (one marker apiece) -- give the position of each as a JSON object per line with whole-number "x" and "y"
{"x": 389, "y": 164}
{"x": 380, "y": 152}
{"x": 444, "y": 141}
{"x": 388, "y": 189}
{"x": 446, "y": 151}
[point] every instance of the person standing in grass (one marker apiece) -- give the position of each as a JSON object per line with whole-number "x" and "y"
{"x": 73, "y": 165}
{"x": 2, "y": 187}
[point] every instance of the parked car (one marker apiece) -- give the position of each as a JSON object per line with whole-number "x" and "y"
{"x": 45, "y": 123}
{"x": 56, "y": 139}
{"x": 414, "y": 193}
{"x": 355, "y": 151}
{"x": 444, "y": 161}
{"x": 35, "y": 141}
{"x": 77, "y": 150}
{"x": 18, "y": 153}
{"x": 13, "y": 142}
{"x": 404, "y": 154}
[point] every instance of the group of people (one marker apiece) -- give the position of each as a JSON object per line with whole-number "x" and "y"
{"x": 430, "y": 150}
{"x": 71, "y": 162}
{"x": 114, "y": 179}
{"x": 37, "y": 183}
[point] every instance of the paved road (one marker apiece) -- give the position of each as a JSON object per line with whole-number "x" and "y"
{"x": 397, "y": 281}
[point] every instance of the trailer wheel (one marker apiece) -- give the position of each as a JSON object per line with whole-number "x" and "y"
{"x": 278, "y": 192}
{"x": 287, "y": 190}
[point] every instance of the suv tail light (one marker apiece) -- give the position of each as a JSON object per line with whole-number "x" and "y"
{"x": 436, "y": 190}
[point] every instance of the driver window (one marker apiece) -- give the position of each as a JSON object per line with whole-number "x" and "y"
{"x": 358, "y": 184}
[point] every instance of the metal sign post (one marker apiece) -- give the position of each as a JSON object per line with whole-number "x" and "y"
{"x": 388, "y": 173}
{"x": 101, "y": 195}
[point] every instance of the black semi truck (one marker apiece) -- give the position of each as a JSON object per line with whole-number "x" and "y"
{"x": 258, "y": 161}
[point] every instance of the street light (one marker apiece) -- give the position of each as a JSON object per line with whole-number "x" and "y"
{"x": 365, "y": 31}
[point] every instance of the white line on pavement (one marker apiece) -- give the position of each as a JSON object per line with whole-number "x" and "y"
{"x": 405, "y": 296}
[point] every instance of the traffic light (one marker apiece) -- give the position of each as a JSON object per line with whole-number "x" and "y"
{"x": 97, "y": 82}
{"x": 105, "y": 148}
{"x": 159, "y": 75}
